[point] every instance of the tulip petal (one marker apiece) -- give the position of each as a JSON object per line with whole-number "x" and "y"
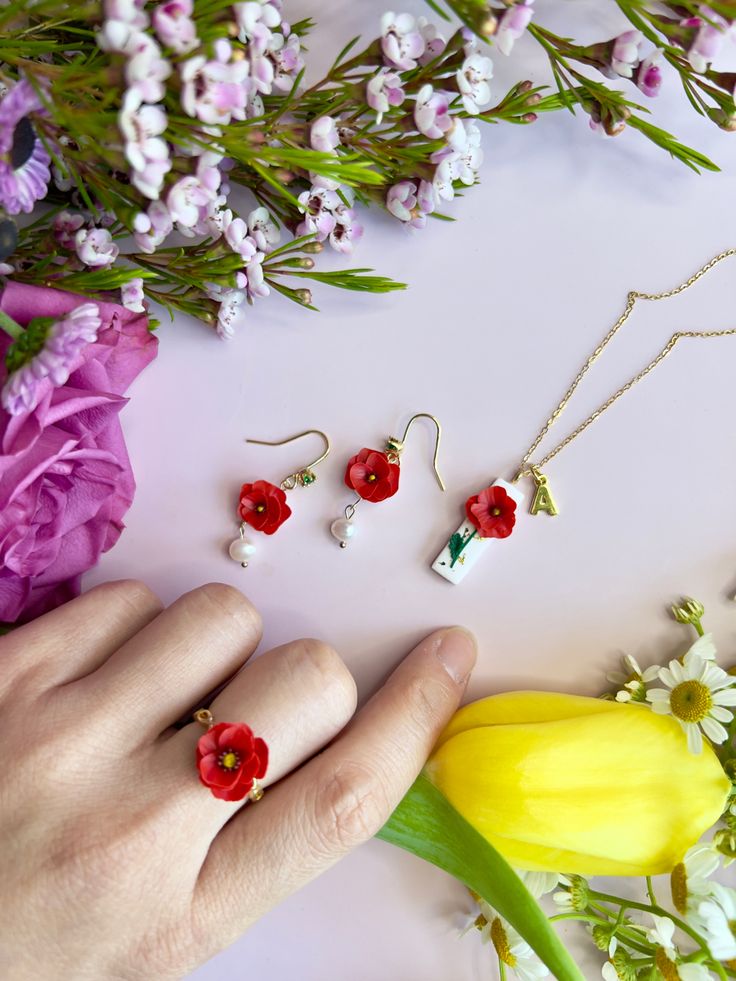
{"x": 565, "y": 782}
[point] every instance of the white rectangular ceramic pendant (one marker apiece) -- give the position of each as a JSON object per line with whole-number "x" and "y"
{"x": 455, "y": 569}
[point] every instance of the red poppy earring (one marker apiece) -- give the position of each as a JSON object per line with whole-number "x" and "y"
{"x": 374, "y": 476}
{"x": 263, "y": 506}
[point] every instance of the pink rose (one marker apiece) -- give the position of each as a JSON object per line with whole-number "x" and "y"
{"x": 65, "y": 476}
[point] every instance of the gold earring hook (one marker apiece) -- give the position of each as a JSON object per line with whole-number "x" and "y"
{"x": 305, "y": 476}
{"x": 395, "y": 446}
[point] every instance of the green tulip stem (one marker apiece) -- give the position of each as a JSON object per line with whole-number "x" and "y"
{"x": 426, "y": 824}
{"x": 659, "y": 911}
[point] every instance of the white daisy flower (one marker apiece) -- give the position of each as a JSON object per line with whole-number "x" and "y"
{"x": 539, "y": 883}
{"x": 632, "y": 679}
{"x": 703, "y": 647}
{"x": 516, "y": 953}
{"x": 697, "y": 694}
{"x": 574, "y": 897}
{"x": 689, "y": 880}
{"x": 717, "y": 920}
{"x": 479, "y": 918}
{"x": 662, "y": 932}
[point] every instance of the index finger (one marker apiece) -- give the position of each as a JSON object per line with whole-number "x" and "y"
{"x": 342, "y": 797}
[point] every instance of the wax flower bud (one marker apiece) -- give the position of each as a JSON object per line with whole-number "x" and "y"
{"x": 562, "y": 782}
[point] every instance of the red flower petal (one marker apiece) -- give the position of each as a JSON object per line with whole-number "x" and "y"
{"x": 261, "y": 751}
{"x": 263, "y": 506}
{"x": 372, "y": 475}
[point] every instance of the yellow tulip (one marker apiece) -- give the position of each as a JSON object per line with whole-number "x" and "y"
{"x": 570, "y": 784}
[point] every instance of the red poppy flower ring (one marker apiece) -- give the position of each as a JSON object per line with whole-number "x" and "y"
{"x": 231, "y": 760}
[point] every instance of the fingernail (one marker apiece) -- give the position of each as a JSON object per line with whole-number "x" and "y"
{"x": 456, "y": 652}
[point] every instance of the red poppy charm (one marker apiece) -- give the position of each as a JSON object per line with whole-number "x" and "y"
{"x": 263, "y": 506}
{"x": 492, "y": 512}
{"x": 230, "y": 758}
{"x": 372, "y": 476}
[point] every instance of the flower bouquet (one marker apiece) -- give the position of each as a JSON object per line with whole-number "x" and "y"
{"x": 563, "y": 788}
{"x": 182, "y": 158}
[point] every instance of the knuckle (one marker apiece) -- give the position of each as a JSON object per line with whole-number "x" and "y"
{"x": 128, "y": 592}
{"x": 349, "y": 808}
{"x": 334, "y": 679}
{"x": 219, "y": 601}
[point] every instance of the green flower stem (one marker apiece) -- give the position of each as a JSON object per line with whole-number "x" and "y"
{"x": 427, "y": 825}
{"x": 466, "y": 542}
{"x": 659, "y": 911}
{"x": 10, "y": 326}
{"x": 650, "y": 891}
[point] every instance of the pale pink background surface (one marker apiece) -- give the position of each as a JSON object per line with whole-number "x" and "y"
{"x": 503, "y": 307}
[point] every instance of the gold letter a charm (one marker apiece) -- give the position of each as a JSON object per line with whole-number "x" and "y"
{"x": 543, "y": 500}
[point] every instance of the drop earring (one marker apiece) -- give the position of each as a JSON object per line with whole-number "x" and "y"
{"x": 374, "y": 476}
{"x": 262, "y": 505}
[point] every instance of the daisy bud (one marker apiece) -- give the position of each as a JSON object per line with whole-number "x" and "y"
{"x": 598, "y": 788}
{"x": 725, "y": 842}
{"x": 303, "y": 296}
{"x": 688, "y": 611}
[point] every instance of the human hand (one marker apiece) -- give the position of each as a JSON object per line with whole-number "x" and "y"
{"x": 115, "y": 861}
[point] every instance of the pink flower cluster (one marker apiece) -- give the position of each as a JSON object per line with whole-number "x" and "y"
{"x": 626, "y": 61}
{"x": 217, "y": 84}
{"x": 406, "y": 43}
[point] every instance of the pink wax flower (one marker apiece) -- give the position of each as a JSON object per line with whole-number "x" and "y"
{"x": 514, "y": 21}
{"x": 263, "y": 229}
{"x": 65, "y": 477}
{"x": 434, "y": 43}
{"x": 432, "y": 113}
{"x": 383, "y": 91}
{"x": 215, "y": 91}
{"x": 132, "y": 295}
{"x": 472, "y": 79}
{"x": 66, "y": 225}
{"x": 649, "y": 75}
{"x": 411, "y": 202}
{"x": 626, "y": 53}
{"x": 708, "y": 39}
{"x": 323, "y": 135}
{"x": 95, "y": 247}
{"x": 401, "y": 41}
{"x": 318, "y": 205}
{"x": 174, "y": 26}
{"x": 347, "y": 232}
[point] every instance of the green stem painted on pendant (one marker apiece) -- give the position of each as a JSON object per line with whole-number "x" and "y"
{"x": 10, "y": 326}
{"x": 427, "y": 825}
{"x": 466, "y": 542}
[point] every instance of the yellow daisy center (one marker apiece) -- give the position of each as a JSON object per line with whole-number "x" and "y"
{"x": 501, "y": 942}
{"x": 691, "y": 701}
{"x": 666, "y": 967}
{"x": 678, "y": 887}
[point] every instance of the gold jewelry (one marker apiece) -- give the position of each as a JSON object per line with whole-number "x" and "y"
{"x": 230, "y": 759}
{"x": 492, "y": 513}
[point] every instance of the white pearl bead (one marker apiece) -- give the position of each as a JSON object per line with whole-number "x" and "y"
{"x": 343, "y": 530}
{"x": 241, "y": 550}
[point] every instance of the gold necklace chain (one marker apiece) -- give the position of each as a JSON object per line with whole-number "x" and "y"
{"x": 525, "y": 467}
